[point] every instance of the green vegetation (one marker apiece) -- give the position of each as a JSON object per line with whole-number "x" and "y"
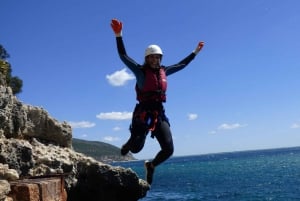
{"x": 5, "y": 68}
{"x": 99, "y": 150}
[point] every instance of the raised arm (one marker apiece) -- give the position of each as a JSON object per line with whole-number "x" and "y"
{"x": 183, "y": 63}
{"x": 117, "y": 27}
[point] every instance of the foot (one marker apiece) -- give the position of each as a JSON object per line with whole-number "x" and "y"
{"x": 149, "y": 171}
{"x": 124, "y": 149}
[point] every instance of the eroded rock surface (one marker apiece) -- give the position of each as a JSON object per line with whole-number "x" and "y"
{"x": 32, "y": 143}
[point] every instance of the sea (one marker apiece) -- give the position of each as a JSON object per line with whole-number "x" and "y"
{"x": 261, "y": 175}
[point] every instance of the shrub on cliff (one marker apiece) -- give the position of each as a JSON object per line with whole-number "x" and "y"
{"x": 5, "y": 68}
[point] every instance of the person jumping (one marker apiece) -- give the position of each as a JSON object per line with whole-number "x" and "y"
{"x": 151, "y": 86}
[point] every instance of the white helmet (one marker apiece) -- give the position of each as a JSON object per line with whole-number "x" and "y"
{"x": 153, "y": 49}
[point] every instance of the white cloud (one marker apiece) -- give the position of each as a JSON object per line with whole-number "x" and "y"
{"x": 114, "y": 115}
{"x": 111, "y": 138}
{"x": 230, "y": 126}
{"x": 226, "y": 126}
{"x": 81, "y": 124}
{"x": 117, "y": 128}
{"x": 192, "y": 116}
{"x": 119, "y": 78}
{"x": 295, "y": 125}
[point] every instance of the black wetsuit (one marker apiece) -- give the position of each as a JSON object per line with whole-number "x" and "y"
{"x": 162, "y": 130}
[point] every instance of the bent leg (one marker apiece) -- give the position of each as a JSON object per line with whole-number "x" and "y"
{"x": 136, "y": 141}
{"x": 164, "y": 137}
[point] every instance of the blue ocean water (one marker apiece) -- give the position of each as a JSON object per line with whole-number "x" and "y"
{"x": 264, "y": 175}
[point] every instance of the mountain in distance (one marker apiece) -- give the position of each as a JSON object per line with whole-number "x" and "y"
{"x": 100, "y": 151}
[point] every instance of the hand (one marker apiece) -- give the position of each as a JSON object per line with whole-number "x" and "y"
{"x": 117, "y": 26}
{"x": 199, "y": 47}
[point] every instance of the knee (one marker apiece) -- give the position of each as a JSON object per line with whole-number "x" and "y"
{"x": 136, "y": 148}
{"x": 169, "y": 151}
{"x": 137, "y": 143}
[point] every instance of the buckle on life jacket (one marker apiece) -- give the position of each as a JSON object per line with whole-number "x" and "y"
{"x": 152, "y": 120}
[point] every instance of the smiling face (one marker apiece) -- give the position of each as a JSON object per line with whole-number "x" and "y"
{"x": 153, "y": 60}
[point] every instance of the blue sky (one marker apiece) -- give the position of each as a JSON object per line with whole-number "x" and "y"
{"x": 241, "y": 92}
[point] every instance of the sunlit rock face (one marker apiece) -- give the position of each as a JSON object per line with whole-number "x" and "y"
{"x": 32, "y": 143}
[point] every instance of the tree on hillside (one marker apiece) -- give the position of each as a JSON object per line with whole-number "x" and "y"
{"x": 13, "y": 81}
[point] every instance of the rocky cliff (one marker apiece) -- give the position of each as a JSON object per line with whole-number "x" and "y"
{"x": 32, "y": 143}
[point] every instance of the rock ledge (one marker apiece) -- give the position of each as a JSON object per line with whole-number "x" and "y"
{"x": 33, "y": 144}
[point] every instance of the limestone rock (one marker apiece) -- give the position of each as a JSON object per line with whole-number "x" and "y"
{"x": 4, "y": 189}
{"x": 32, "y": 143}
{"x": 8, "y": 174}
{"x": 18, "y": 120}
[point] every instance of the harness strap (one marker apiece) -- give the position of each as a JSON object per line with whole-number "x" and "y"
{"x": 152, "y": 121}
{"x": 147, "y": 115}
{"x": 150, "y": 118}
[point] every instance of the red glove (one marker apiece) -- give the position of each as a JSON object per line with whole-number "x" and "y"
{"x": 199, "y": 47}
{"x": 116, "y": 25}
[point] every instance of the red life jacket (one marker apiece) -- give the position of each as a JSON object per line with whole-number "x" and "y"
{"x": 155, "y": 86}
